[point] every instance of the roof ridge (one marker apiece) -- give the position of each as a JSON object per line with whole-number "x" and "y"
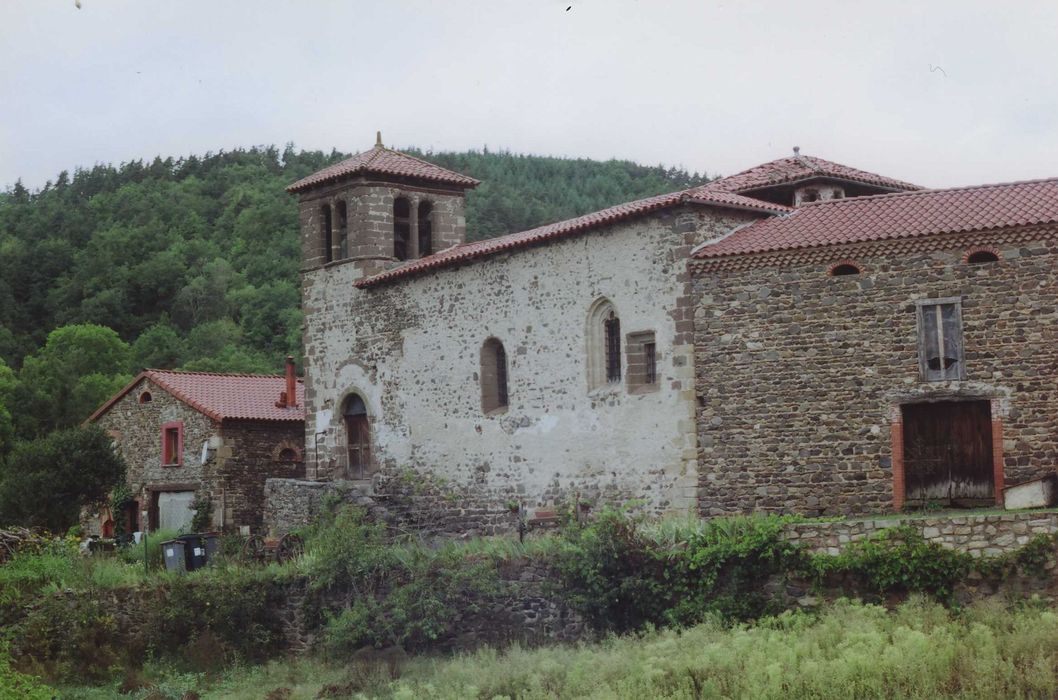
{"x": 913, "y": 193}
{"x": 250, "y": 375}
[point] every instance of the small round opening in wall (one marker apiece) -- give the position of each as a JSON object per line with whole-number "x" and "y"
{"x": 146, "y": 397}
{"x": 844, "y": 269}
{"x": 982, "y": 256}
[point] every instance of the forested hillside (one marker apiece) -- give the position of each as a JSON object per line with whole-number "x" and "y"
{"x": 192, "y": 262}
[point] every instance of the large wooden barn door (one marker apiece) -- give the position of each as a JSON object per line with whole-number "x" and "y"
{"x": 948, "y": 453}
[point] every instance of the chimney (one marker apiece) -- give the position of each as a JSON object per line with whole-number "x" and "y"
{"x": 292, "y": 384}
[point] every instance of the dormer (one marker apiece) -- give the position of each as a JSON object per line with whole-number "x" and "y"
{"x": 379, "y": 208}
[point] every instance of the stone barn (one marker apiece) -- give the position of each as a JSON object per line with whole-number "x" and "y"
{"x": 866, "y": 354}
{"x": 197, "y": 434}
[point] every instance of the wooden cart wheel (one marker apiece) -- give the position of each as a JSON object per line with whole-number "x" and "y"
{"x": 290, "y": 547}
{"x": 254, "y": 549}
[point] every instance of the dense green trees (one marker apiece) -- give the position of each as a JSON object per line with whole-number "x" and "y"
{"x": 193, "y": 264}
{"x": 45, "y": 482}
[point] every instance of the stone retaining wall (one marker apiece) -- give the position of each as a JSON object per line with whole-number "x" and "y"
{"x": 980, "y": 535}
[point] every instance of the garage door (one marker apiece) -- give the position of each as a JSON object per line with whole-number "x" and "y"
{"x": 174, "y": 510}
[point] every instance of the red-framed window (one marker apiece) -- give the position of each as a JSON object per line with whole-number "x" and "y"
{"x": 173, "y": 444}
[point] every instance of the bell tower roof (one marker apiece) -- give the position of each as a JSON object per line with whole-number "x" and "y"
{"x": 387, "y": 163}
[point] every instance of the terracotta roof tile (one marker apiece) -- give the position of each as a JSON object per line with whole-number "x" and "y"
{"x": 384, "y": 161}
{"x": 902, "y": 215}
{"x": 223, "y": 396}
{"x": 524, "y": 239}
{"x": 799, "y": 167}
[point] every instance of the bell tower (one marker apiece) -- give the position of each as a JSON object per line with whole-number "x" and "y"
{"x": 379, "y": 209}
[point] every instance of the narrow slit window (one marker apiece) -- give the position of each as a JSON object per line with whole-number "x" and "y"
{"x": 650, "y": 359}
{"x": 425, "y": 229}
{"x": 940, "y": 342}
{"x": 401, "y": 228}
{"x": 612, "y": 335}
{"x": 343, "y": 231}
{"x": 326, "y": 224}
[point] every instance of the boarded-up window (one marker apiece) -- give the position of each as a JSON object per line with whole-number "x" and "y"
{"x": 401, "y": 227}
{"x": 493, "y": 376}
{"x": 940, "y": 344}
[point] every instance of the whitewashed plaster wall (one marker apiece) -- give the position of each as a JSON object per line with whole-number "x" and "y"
{"x": 411, "y": 350}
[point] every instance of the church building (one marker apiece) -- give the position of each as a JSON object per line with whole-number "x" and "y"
{"x": 800, "y": 337}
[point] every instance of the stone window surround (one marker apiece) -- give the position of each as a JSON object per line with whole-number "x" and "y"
{"x": 145, "y": 397}
{"x": 896, "y": 433}
{"x": 167, "y": 458}
{"x": 636, "y": 362}
{"x": 595, "y": 335}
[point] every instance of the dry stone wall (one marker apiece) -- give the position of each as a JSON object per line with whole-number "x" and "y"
{"x": 979, "y": 535}
{"x": 799, "y": 373}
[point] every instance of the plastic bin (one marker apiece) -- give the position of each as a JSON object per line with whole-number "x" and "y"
{"x": 173, "y": 555}
{"x": 194, "y": 551}
{"x": 212, "y": 542}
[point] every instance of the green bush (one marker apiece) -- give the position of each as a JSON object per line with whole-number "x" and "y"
{"x": 407, "y": 595}
{"x": 133, "y": 553}
{"x": 897, "y": 559}
{"x": 19, "y": 686}
{"x": 623, "y": 575}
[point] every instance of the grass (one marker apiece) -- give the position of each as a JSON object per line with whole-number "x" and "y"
{"x": 920, "y": 650}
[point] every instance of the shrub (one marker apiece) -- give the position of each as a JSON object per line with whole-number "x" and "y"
{"x": 622, "y": 579}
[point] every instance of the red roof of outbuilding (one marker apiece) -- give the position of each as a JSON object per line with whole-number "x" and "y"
{"x": 524, "y": 239}
{"x": 384, "y": 161}
{"x": 222, "y": 396}
{"x": 799, "y": 167}
{"x": 902, "y": 215}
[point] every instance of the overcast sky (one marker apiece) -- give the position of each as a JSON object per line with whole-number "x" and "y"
{"x": 938, "y": 93}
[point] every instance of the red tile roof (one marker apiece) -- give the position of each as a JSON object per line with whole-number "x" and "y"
{"x": 902, "y": 215}
{"x": 799, "y": 167}
{"x": 222, "y": 396}
{"x": 383, "y": 161}
{"x": 524, "y": 239}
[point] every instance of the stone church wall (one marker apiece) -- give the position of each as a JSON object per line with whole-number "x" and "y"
{"x": 800, "y": 375}
{"x": 411, "y": 349}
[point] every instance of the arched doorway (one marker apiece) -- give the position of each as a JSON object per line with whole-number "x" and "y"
{"x": 358, "y": 438}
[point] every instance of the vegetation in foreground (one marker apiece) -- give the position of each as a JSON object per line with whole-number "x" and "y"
{"x": 919, "y": 650}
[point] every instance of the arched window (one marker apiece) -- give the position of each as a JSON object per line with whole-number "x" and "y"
{"x": 979, "y": 257}
{"x": 604, "y": 344}
{"x": 493, "y": 376}
{"x": 401, "y": 227}
{"x": 425, "y": 229}
{"x": 146, "y": 397}
{"x": 327, "y": 230}
{"x": 844, "y": 268}
{"x": 288, "y": 454}
{"x": 343, "y": 230}
{"x": 358, "y": 438}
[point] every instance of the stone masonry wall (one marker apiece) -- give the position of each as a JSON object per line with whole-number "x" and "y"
{"x": 411, "y": 350}
{"x": 137, "y": 432}
{"x": 240, "y": 455}
{"x": 980, "y": 535}
{"x": 800, "y": 374}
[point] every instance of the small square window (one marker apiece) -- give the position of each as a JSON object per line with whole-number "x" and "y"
{"x": 642, "y": 362}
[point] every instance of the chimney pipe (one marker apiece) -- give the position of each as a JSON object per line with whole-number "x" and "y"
{"x": 292, "y": 383}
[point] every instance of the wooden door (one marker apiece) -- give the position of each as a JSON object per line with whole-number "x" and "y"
{"x": 358, "y": 431}
{"x": 948, "y": 453}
